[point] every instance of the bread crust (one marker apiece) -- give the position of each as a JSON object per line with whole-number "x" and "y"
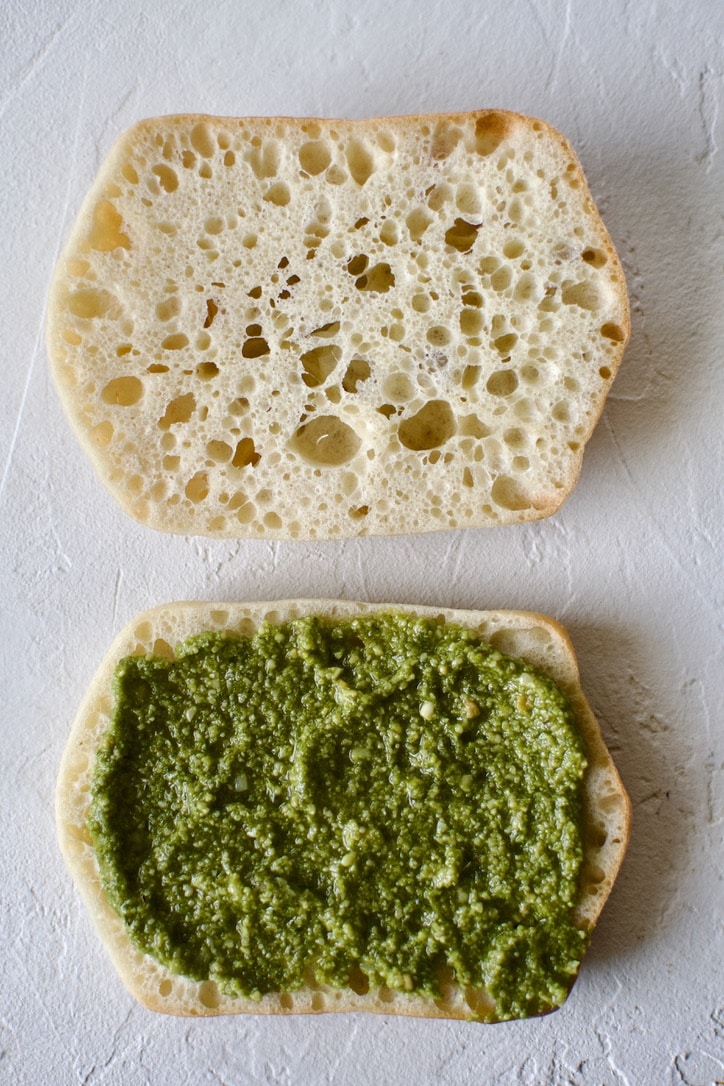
{"x": 309, "y": 433}
{"x": 533, "y": 638}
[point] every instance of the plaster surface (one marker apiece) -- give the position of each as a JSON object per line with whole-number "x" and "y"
{"x": 632, "y": 564}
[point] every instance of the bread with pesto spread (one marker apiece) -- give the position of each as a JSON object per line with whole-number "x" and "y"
{"x": 535, "y": 640}
{"x": 305, "y": 328}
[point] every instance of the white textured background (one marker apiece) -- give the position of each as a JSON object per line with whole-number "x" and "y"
{"x": 632, "y": 564}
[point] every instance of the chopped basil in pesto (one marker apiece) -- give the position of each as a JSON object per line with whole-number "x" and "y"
{"x": 386, "y": 794}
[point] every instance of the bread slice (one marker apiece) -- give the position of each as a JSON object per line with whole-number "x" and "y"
{"x": 324, "y": 328}
{"x": 533, "y": 638}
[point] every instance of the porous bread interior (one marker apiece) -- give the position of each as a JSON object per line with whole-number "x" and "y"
{"x": 324, "y": 328}
{"x": 536, "y": 639}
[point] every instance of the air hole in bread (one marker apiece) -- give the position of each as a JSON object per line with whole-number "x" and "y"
{"x": 417, "y": 223}
{"x": 439, "y": 195}
{"x": 167, "y": 176}
{"x": 256, "y": 347}
{"x": 360, "y": 161}
{"x": 595, "y": 874}
{"x": 359, "y": 982}
{"x": 461, "y": 235}
{"x": 326, "y": 330}
{"x": 335, "y": 175}
{"x": 586, "y": 295}
{"x": 504, "y": 344}
{"x": 179, "y": 410}
{"x": 501, "y": 279}
{"x": 319, "y": 363}
{"x": 508, "y": 494}
{"x": 202, "y": 140}
{"x": 90, "y": 303}
{"x": 357, "y": 264}
{"x": 263, "y": 159}
{"x": 595, "y": 257}
{"x": 597, "y": 836}
{"x": 389, "y": 234}
{"x": 314, "y": 157}
{"x": 175, "y": 342}
{"x": 219, "y": 451}
{"x": 206, "y": 371}
{"x": 162, "y": 648}
{"x": 378, "y": 280}
{"x": 102, "y": 434}
{"x": 513, "y": 248}
{"x": 106, "y": 234}
{"x": 129, "y": 172}
{"x": 470, "y": 377}
{"x": 502, "y": 383}
{"x": 445, "y": 139}
{"x": 123, "y": 391}
{"x": 327, "y": 441}
{"x": 471, "y": 426}
{"x": 610, "y": 802}
{"x": 479, "y": 1003}
{"x": 168, "y": 308}
{"x": 467, "y": 199}
{"x": 438, "y": 336}
{"x": 245, "y": 454}
{"x": 428, "y": 428}
{"x": 398, "y": 387}
{"x": 279, "y": 194}
{"x": 357, "y": 372}
{"x": 490, "y": 131}
{"x": 515, "y": 437}
{"x": 209, "y": 994}
{"x": 614, "y": 332}
{"x": 197, "y": 488}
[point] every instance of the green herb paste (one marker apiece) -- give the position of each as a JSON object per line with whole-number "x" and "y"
{"x": 386, "y": 794}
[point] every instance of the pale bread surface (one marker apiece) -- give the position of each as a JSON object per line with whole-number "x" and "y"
{"x": 533, "y": 638}
{"x": 305, "y": 328}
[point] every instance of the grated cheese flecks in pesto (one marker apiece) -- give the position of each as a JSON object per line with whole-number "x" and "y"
{"x": 386, "y": 794}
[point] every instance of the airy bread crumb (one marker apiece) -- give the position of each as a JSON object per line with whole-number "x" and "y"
{"x": 323, "y": 328}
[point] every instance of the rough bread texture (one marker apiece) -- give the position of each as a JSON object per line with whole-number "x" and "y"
{"x": 324, "y": 328}
{"x": 533, "y": 638}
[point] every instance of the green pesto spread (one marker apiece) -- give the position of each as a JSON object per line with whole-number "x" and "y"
{"x": 386, "y": 796}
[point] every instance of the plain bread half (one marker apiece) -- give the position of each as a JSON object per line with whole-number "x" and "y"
{"x": 305, "y": 328}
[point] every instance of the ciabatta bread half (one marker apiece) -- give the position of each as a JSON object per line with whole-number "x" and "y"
{"x": 314, "y": 328}
{"x": 532, "y": 638}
